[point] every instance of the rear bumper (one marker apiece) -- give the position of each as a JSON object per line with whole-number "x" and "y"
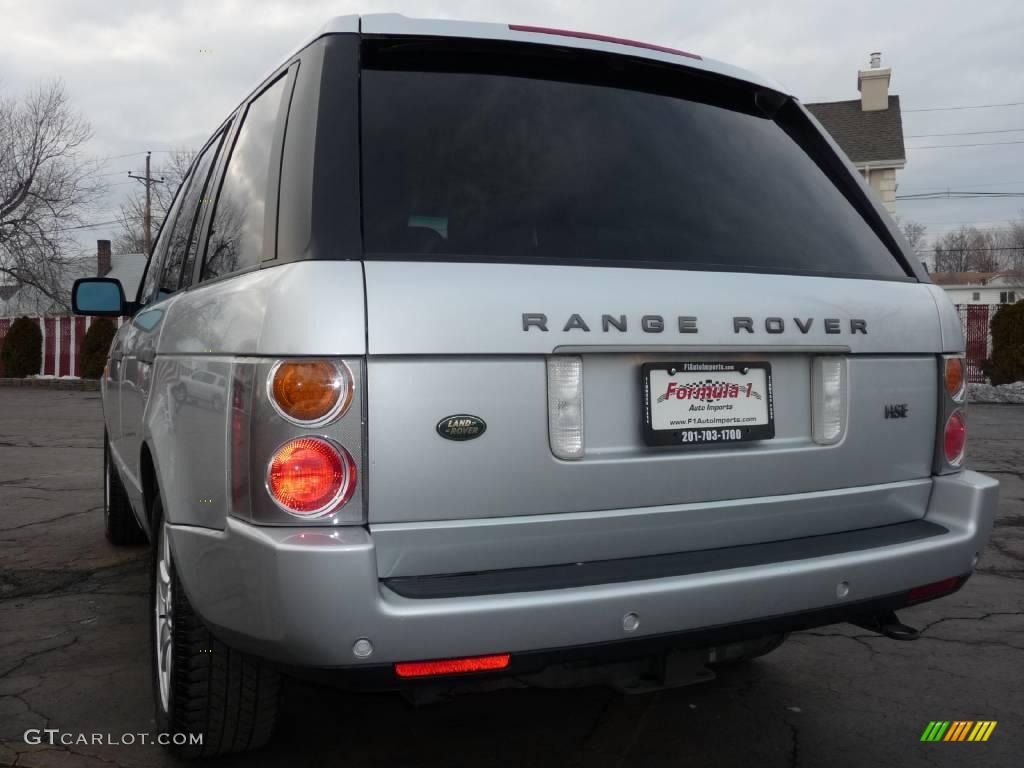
{"x": 304, "y": 597}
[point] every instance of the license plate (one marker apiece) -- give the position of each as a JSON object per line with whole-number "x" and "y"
{"x": 707, "y": 403}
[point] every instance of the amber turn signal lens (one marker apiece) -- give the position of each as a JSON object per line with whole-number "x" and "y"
{"x": 310, "y": 392}
{"x": 311, "y": 476}
{"x": 954, "y": 376}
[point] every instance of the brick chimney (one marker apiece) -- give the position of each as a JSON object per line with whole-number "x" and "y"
{"x": 102, "y": 257}
{"x": 873, "y": 84}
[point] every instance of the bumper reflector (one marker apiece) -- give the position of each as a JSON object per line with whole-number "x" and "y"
{"x": 452, "y": 666}
{"x": 935, "y": 589}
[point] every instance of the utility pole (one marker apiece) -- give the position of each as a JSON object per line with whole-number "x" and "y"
{"x": 148, "y": 181}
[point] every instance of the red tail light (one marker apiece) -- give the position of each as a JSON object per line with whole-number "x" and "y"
{"x": 955, "y": 438}
{"x": 310, "y": 476}
{"x": 452, "y": 666}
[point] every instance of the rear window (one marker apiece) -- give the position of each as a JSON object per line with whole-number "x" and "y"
{"x": 487, "y": 166}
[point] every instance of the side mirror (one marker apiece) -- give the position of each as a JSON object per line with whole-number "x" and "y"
{"x": 98, "y": 296}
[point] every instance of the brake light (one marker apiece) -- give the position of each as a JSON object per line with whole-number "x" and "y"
{"x": 311, "y": 477}
{"x": 601, "y": 38}
{"x": 310, "y": 392}
{"x": 452, "y": 666}
{"x": 955, "y": 438}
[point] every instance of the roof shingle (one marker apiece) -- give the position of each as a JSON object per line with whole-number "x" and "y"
{"x": 863, "y": 136}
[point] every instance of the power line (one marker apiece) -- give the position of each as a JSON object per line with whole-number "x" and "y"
{"x": 974, "y": 106}
{"x": 950, "y": 194}
{"x": 963, "y": 133}
{"x": 129, "y": 154}
{"x": 964, "y": 186}
{"x": 98, "y": 224}
{"x": 961, "y": 146}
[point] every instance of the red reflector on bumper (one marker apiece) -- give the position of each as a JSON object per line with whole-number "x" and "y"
{"x": 452, "y": 666}
{"x": 935, "y": 589}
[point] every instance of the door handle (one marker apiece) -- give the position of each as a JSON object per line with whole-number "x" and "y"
{"x": 147, "y": 355}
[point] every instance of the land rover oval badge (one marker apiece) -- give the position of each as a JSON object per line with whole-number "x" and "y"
{"x": 461, "y": 426}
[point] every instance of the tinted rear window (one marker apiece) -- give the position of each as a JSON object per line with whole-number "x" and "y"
{"x": 496, "y": 167}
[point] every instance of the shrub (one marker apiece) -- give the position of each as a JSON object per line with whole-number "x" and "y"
{"x": 1007, "y": 362}
{"x": 95, "y": 347}
{"x": 22, "y": 353}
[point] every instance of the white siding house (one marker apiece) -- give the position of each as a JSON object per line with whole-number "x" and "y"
{"x": 981, "y": 287}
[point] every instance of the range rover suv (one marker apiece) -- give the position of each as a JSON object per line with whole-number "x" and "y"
{"x": 535, "y": 351}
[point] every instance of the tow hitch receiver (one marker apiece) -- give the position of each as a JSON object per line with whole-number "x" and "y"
{"x": 887, "y": 624}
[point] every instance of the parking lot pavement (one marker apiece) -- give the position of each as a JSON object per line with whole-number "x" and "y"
{"x": 74, "y": 653}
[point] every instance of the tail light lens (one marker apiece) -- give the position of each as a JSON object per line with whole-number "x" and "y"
{"x": 828, "y": 400}
{"x": 310, "y": 393}
{"x": 565, "y": 406}
{"x": 311, "y": 476}
{"x": 955, "y": 438}
{"x": 952, "y": 417}
{"x": 954, "y": 379}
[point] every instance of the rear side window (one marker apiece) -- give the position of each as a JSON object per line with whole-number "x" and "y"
{"x": 235, "y": 241}
{"x": 155, "y": 267}
{"x": 182, "y": 245}
{"x": 486, "y": 166}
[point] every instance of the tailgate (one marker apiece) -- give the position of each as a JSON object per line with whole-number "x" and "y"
{"x": 448, "y": 339}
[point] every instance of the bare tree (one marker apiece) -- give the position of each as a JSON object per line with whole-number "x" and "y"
{"x": 45, "y": 188}
{"x": 915, "y": 232}
{"x": 1009, "y": 241}
{"x": 966, "y": 250}
{"x": 132, "y": 238}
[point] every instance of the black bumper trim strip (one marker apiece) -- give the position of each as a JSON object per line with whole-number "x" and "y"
{"x": 546, "y": 577}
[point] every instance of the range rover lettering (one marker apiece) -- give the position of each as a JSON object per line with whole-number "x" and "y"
{"x": 470, "y": 352}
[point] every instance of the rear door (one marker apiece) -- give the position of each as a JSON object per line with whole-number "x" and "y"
{"x": 170, "y": 270}
{"x": 518, "y": 212}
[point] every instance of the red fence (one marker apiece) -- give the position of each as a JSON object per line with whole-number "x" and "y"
{"x": 62, "y": 340}
{"x": 976, "y": 320}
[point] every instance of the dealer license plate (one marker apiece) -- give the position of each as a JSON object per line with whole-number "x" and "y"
{"x": 693, "y": 403}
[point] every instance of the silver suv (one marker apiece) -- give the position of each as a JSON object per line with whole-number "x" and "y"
{"x": 472, "y": 351}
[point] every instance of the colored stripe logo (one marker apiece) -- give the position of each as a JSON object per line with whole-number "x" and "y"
{"x": 959, "y": 730}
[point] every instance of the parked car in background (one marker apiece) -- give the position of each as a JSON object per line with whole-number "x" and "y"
{"x": 510, "y": 351}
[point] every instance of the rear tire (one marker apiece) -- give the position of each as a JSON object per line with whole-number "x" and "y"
{"x": 119, "y": 523}
{"x": 201, "y": 686}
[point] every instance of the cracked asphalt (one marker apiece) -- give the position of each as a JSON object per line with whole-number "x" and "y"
{"x": 74, "y": 653}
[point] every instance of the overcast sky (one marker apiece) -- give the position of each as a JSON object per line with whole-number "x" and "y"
{"x": 135, "y": 70}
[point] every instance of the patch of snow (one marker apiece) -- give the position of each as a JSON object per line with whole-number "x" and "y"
{"x": 989, "y": 393}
